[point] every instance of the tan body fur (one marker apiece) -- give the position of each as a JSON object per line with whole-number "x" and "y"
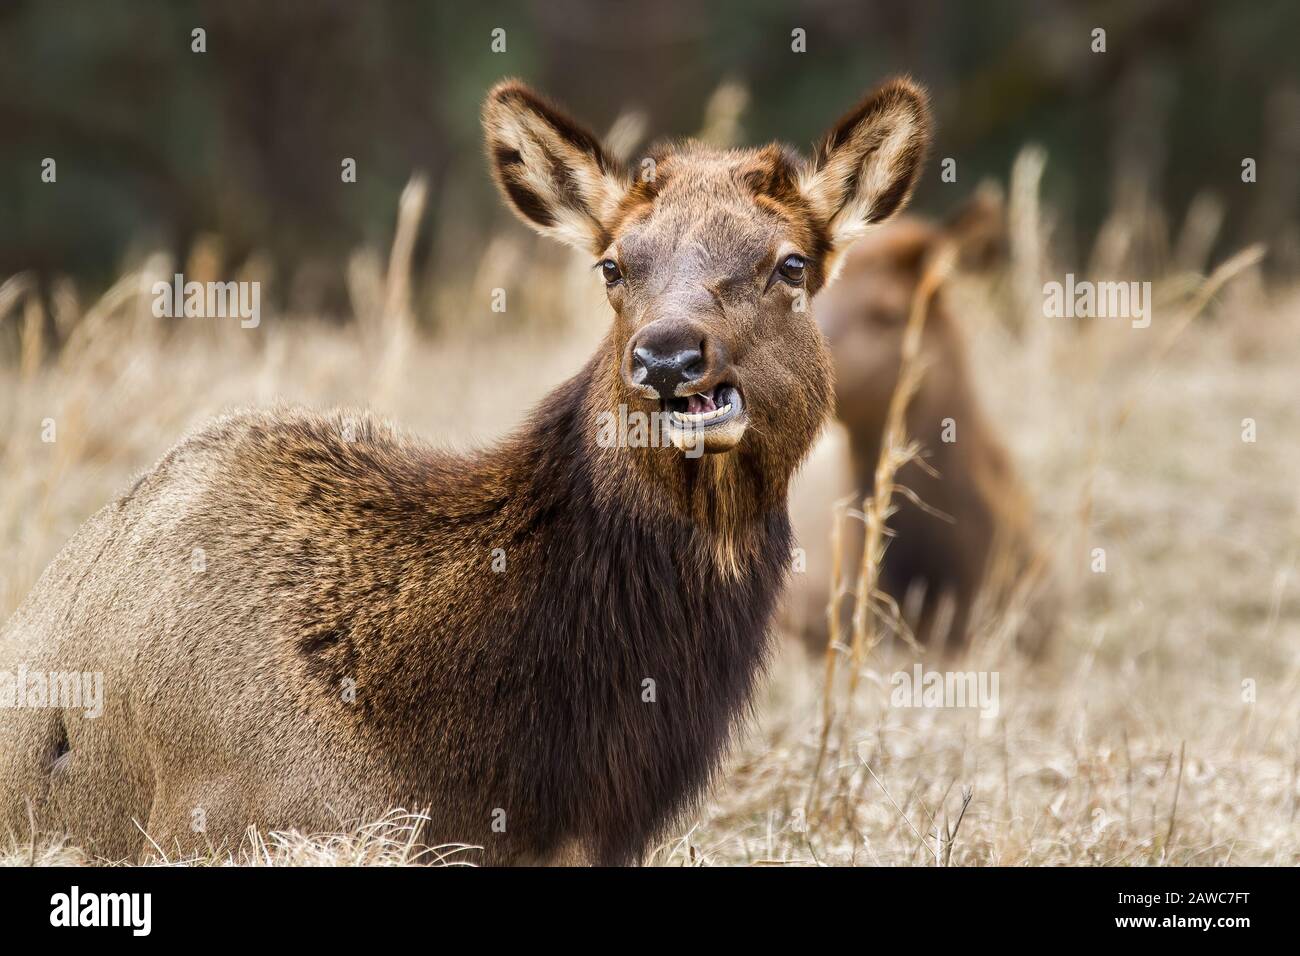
{"x": 984, "y": 526}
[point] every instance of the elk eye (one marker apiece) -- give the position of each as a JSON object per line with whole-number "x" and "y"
{"x": 610, "y": 271}
{"x": 792, "y": 269}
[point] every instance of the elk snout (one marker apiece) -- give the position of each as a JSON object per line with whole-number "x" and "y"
{"x": 664, "y": 371}
{"x": 672, "y": 358}
{"x": 690, "y": 373}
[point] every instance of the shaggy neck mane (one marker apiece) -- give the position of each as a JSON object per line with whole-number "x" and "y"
{"x": 624, "y": 644}
{"x": 724, "y": 499}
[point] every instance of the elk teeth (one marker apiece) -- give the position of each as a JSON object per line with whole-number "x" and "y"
{"x": 694, "y": 418}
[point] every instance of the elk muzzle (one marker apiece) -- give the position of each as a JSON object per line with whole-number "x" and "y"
{"x": 688, "y": 371}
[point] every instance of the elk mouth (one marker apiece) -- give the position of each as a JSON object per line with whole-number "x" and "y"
{"x": 706, "y": 422}
{"x": 705, "y": 409}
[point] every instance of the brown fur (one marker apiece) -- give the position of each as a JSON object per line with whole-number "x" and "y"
{"x": 974, "y": 482}
{"x": 339, "y": 554}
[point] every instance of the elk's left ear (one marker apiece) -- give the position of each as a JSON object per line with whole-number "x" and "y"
{"x": 865, "y": 168}
{"x": 550, "y": 169}
{"x": 979, "y": 228}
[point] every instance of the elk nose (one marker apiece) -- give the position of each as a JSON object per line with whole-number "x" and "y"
{"x": 665, "y": 370}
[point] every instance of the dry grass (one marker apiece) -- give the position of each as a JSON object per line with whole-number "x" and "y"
{"x": 1130, "y": 743}
{"x": 392, "y": 841}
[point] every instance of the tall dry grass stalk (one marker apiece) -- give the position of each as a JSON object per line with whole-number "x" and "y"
{"x": 896, "y": 451}
{"x": 1225, "y": 272}
{"x": 1027, "y": 237}
{"x": 33, "y": 334}
{"x": 723, "y": 115}
{"x": 398, "y": 322}
{"x": 870, "y": 603}
{"x": 12, "y": 291}
{"x": 1106, "y": 428}
{"x": 381, "y": 297}
{"x": 1201, "y": 227}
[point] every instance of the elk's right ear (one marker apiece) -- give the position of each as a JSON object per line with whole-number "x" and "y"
{"x": 551, "y": 170}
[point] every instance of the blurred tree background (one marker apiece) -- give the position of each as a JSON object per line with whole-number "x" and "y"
{"x": 157, "y": 145}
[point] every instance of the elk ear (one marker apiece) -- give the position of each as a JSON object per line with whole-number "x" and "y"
{"x": 551, "y": 170}
{"x": 978, "y": 228}
{"x": 864, "y": 170}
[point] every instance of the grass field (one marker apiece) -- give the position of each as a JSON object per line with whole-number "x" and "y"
{"x": 1161, "y": 728}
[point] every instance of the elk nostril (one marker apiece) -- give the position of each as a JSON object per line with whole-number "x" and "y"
{"x": 664, "y": 372}
{"x": 691, "y": 363}
{"x": 642, "y": 359}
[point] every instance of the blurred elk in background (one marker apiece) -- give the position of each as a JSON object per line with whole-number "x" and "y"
{"x": 963, "y": 522}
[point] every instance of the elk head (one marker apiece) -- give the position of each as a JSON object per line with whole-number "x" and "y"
{"x": 865, "y": 314}
{"x": 710, "y": 258}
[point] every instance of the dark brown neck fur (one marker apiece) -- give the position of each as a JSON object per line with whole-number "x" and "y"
{"x": 525, "y": 687}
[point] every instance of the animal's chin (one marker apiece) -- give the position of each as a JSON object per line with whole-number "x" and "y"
{"x": 710, "y": 422}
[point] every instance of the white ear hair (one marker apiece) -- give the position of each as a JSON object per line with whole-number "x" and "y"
{"x": 551, "y": 170}
{"x": 867, "y": 165}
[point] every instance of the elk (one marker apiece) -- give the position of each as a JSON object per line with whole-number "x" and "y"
{"x": 973, "y": 522}
{"x": 550, "y": 642}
